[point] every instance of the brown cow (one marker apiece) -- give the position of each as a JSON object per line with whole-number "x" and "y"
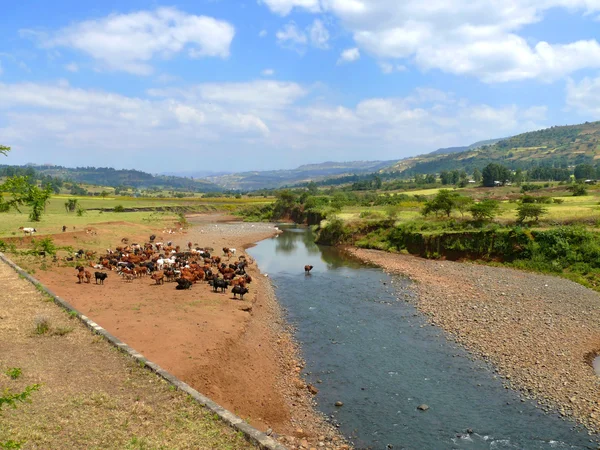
{"x": 159, "y": 277}
{"x": 88, "y": 276}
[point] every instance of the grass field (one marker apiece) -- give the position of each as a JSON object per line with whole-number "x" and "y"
{"x": 56, "y": 216}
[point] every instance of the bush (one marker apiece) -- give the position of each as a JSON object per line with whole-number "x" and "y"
{"x": 530, "y": 210}
{"x": 485, "y": 209}
{"x": 558, "y": 200}
{"x": 119, "y": 209}
{"x": 579, "y": 190}
{"x": 42, "y": 325}
{"x": 45, "y": 245}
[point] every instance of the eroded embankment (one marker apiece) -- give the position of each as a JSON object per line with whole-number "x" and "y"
{"x": 537, "y": 330}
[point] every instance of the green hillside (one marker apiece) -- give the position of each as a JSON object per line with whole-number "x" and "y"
{"x": 106, "y": 176}
{"x": 560, "y": 146}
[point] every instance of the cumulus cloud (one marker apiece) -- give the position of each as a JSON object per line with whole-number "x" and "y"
{"x": 316, "y": 34}
{"x": 262, "y": 33}
{"x": 269, "y": 118}
{"x": 268, "y": 72}
{"x": 129, "y": 42}
{"x": 290, "y": 36}
{"x": 349, "y": 55}
{"x": 319, "y": 35}
{"x": 467, "y": 37}
{"x": 584, "y": 96}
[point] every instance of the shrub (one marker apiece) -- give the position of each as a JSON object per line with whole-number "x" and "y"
{"x": 558, "y": 200}
{"x": 530, "y": 210}
{"x": 42, "y": 325}
{"x": 13, "y": 372}
{"x": 485, "y": 209}
{"x": 119, "y": 209}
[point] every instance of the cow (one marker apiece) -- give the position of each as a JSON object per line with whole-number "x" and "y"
{"x": 100, "y": 276}
{"x": 159, "y": 277}
{"x": 88, "y": 276}
{"x": 182, "y": 284}
{"x": 307, "y": 269}
{"x": 239, "y": 290}
{"x": 28, "y": 230}
{"x": 219, "y": 283}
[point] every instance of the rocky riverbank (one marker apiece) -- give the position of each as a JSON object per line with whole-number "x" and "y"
{"x": 539, "y": 331}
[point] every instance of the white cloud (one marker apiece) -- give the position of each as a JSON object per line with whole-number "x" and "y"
{"x": 290, "y": 36}
{"x": 1, "y": 69}
{"x": 72, "y": 67}
{"x": 465, "y": 37}
{"x": 388, "y": 68}
{"x": 349, "y": 55}
{"x": 584, "y": 97}
{"x": 268, "y": 72}
{"x": 269, "y": 119}
{"x": 319, "y": 35}
{"x": 262, "y": 33}
{"x": 284, "y": 7}
{"x": 129, "y": 42}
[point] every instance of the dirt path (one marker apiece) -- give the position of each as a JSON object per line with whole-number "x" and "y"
{"x": 539, "y": 331}
{"x": 238, "y": 353}
{"x": 91, "y": 395}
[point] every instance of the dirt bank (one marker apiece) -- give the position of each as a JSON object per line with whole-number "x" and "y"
{"x": 539, "y": 331}
{"x": 90, "y": 395}
{"x": 239, "y": 353}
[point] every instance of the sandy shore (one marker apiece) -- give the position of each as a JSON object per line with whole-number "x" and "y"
{"x": 239, "y": 353}
{"x": 538, "y": 331}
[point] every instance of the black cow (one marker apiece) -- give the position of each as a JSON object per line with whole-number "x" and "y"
{"x": 182, "y": 284}
{"x": 239, "y": 290}
{"x": 100, "y": 276}
{"x": 219, "y": 283}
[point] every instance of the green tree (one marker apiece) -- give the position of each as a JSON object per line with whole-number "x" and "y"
{"x": 477, "y": 175}
{"x": 445, "y": 177}
{"x": 23, "y": 192}
{"x": 462, "y": 203}
{"x": 485, "y": 210}
{"x": 71, "y": 204}
{"x": 530, "y": 210}
{"x": 584, "y": 172}
{"x": 103, "y": 194}
{"x": 443, "y": 202}
{"x": 4, "y": 150}
{"x": 494, "y": 172}
{"x": 430, "y": 178}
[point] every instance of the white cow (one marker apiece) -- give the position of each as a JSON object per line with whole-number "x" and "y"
{"x": 28, "y": 230}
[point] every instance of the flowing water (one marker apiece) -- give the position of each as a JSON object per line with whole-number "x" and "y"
{"x": 367, "y": 346}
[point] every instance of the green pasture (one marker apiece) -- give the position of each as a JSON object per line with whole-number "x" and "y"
{"x": 56, "y": 216}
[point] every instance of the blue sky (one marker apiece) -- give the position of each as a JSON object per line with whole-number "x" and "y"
{"x": 255, "y": 85}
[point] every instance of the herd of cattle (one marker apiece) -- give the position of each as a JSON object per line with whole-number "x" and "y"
{"x": 168, "y": 263}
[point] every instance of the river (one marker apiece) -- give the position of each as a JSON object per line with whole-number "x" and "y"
{"x": 366, "y": 345}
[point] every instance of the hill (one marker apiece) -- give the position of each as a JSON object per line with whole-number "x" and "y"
{"x": 558, "y": 146}
{"x": 443, "y": 151}
{"x": 309, "y": 172}
{"x": 106, "y": 176}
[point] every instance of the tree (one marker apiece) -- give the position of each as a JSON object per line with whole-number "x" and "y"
{"x": 4, "y": 150}
{"x": 430, "y": 178}
{"x": 485, "y": 209}
{"x": 530, "y": 210}
{"x": 584, "y": 172}
{"x": 443, "y": 202}
{"x": 462, "y": 203}
{"x": 445, "y": 177}
{"x": 103, "y": 194}
{"x": 23, "y": 192}
{"x": 71, "y": 204}
{"x": 494, "y": 172}
{"x": 477, "y": 175}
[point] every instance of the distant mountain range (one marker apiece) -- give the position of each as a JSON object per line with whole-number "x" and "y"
{"x": 309, "y": 172}
{"x": 559, "y": 146}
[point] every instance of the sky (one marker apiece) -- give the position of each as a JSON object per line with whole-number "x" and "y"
{"x": 223, "y": 85}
